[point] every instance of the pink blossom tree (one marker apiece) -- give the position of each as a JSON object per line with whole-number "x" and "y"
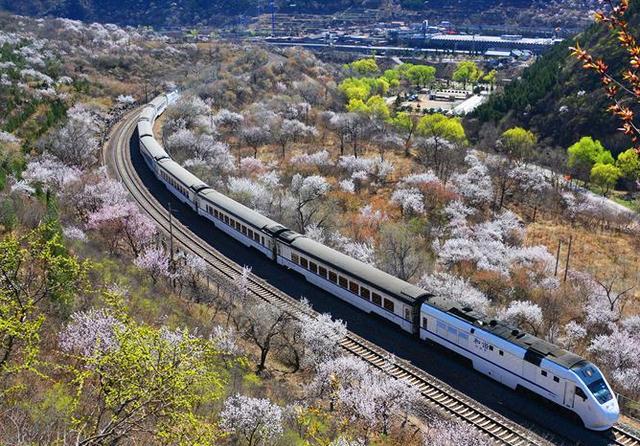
{"x": 123, "y": 225}
{"x": 155, "y": 261}
{"x": 90, "y": 332}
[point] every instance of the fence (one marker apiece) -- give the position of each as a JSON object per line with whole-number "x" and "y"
{"x": 629, "y": 407}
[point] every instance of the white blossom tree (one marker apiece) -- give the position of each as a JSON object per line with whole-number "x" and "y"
{"x": 290, "y": 130}
{"x": 263, "y": 324}
{"x": 475, "y": 185}
{"x": 304, "y": 196}
{"x": 398, "y": 251}
{"x": 449, "y": 433}
{"x": 523, "y": 314}
{"x": 50, "y": 172}
{"x": 255, "y": 137}
{"x": 456, "y": 289}
{"x": 76, "y": 142}
{"x": 410, "y": 200}
{"x": 619, "y": 352}
{"x": 255, "y": 421}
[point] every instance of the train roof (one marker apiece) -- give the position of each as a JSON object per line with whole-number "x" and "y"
{"x": 183, "y": 175}
{"x": 154, "y": 148}
{"x": 145, "y": 128}
{"x": 537, "y": 348}
{"x": 158, "y": 102}
{"x": 241, "y": 211}
{"x": 148, "y": 114}
{"x": 379, "y": 279}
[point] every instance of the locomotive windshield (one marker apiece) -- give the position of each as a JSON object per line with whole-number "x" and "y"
{"x": 592, "y": 377}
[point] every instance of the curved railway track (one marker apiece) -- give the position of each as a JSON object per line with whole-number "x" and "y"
{"x": 499, "y": 429}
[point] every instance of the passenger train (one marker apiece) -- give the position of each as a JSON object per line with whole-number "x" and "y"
{"x": 507, "y": 354}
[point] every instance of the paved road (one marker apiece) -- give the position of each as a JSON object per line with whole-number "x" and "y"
{"x": 432, "y": 359}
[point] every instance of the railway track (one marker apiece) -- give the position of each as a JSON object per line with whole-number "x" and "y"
{"x": 499, "y": 429}
{"x": 623, "y": 437}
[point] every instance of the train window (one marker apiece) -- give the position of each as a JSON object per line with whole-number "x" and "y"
{"x": 215, "y": 213}
{"x": 244, "y": 229}
{"x": 343, "y": 282}
{"x": 376, "y": 298}
{"x": 389, "y": 305}
{"x": 473, "y": 330}
{"x": 364, "y": 293}
{"x": 556, "y": 379}
{"x": 333, "y": 277}
{"x": 501, "y": 353}
{"x": 304, "y": 263}
{"x": 580, "y": 393}
{"x": 543, "y": 372}
{"x": 354, "y": 287}
{"x": 407, "y": 314}
{"x": 424, "y": 322}
{"x": 262, "y": 240}
{"x": 226, "y": 219}
{"x": 313, "y": 267}
{"x": 491, "y": 347}
{"x": 295, "y": 259}
{"x": 322, "y": 271}
{"x": 250, "y": 233}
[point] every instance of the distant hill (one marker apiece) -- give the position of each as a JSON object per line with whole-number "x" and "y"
{"x": 193, "y": 12}
{"x": 560, "y": 100}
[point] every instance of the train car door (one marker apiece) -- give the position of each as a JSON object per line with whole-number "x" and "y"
{"x": 569, "y": 394}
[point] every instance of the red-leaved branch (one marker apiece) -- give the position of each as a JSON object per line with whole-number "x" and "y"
{"x": 624, "y": 90}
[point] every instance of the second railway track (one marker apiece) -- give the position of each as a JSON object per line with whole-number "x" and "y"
{"x": 499, "y": 429}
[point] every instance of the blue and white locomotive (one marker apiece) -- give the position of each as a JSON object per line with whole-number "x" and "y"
{"x": 504, "y": 353}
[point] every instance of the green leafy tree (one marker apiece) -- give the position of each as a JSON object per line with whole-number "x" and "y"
{"x": 375, "y": 107}
{"x": 364, "y": 67}
{"x": 35, "y": 272}
{"x": 160, "y": 382}
{"x": 441, "y": 127}
{"x": 407, "y": 123}
{"x": 584, "y": 154}
{"x": 490, "y": 78}
{"x": 404, "y": 69}
{"x": 392, "y": 77}
{"x": 467, "y": 72}
{"x": 354, "y": 88}
{"x": 421, "y": 75}
{"x": 517, "y": 143}
{"x": 605, "y": 176}
{"x": 629, "y": 164}
{"x": 442, "y": 145}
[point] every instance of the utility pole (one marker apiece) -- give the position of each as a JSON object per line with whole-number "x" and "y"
{"x": 566, "y": 265}
{"x": 272, "y": 7}
{"x": 557, "y": 257}
{"x": 171, "y": 235}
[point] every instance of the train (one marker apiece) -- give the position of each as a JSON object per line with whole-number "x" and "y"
{"x": 507, "y": 354}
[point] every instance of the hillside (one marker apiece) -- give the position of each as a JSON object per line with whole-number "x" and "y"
{"x": 558, "y": 99}
{"x": 200, "y": 12}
